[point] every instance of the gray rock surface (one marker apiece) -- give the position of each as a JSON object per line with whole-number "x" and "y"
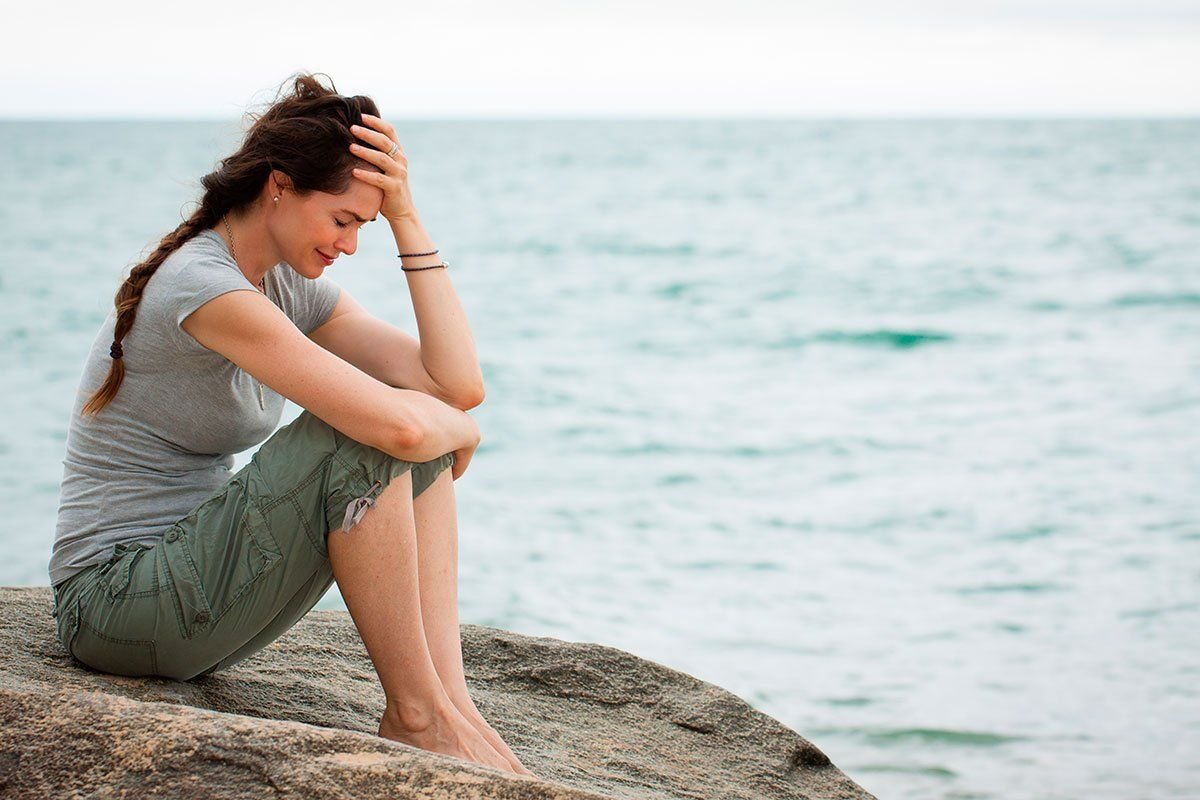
{"x": 299, "y": 719}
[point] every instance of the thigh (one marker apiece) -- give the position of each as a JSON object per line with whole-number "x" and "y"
{"x": 253, "y": 559}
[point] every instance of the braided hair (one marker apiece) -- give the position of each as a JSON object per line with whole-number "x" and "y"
{"x": 305, "y": 134}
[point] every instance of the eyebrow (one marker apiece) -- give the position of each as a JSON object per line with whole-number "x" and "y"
{"x": 357, "y": 217}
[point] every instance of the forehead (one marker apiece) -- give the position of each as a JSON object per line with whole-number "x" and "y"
{"x": 360, "y": 199}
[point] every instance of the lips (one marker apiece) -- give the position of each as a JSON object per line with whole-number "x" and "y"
{"x": 326, "y": 258}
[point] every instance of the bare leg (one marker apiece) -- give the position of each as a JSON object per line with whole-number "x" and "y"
{"x": 375, "y": 565}
{"x": 436, "y": 518}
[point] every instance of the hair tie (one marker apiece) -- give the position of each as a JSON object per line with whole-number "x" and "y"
{"x": 115, "y": 351}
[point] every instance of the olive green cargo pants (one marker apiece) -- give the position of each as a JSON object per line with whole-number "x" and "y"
{"x": 239, "y": 570}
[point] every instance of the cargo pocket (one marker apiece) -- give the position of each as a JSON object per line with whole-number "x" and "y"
{"x": 93, "y": 648}
{"x": 217, "y": 554}
{"x": 131, "y": 657}
{"x": 118, "y": 578}
{"x": 67, "y": 621}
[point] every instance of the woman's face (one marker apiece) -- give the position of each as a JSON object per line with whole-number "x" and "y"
{"x": 313, "y": 229}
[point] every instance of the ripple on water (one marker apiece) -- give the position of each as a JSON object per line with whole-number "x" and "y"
{"x": 849, "y": 702}
{"x": 1026, "y": 533}
{"x": 750, "y": 566}
{"x": 886, "y": 737}
{"x": 618, "y": 248}
{"x": 1150, "y": 613}
{"x": 895, "y": 339}
{"x": 1045, "y": 305}
{"x": 1151, "y": 299}
{"x": 677, "y": 289}
{"x": 1019, "y": 588}
{"x": 930, "y": 771}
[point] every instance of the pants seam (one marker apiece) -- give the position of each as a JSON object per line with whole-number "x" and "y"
{"x": 116, "y": 640}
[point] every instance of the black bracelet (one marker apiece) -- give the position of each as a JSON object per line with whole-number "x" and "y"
{"x": 442, "y": 265}
{"x": 414, "y": 255}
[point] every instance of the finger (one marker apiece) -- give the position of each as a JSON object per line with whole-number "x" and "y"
{"x": 378, "y": 179}
{"x": 384, "y": 129}
{"x": 388, "y": 163}
{"x": 380, "y": 140}
{"x": 369, "y": 176}
{"x": 380, "y": 124}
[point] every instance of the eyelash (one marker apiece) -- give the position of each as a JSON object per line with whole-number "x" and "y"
{"x": 340, "y": 224}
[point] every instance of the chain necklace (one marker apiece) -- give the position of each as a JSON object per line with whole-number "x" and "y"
{"x": 262, "y": 287}
{"x": 262, "y": 284}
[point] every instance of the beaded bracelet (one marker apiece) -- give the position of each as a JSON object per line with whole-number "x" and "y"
{"x": 442, "y": 265}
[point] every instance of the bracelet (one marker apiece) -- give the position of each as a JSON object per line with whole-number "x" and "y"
{"x": 414, "y": 255}
{"x": 442, "y": 265}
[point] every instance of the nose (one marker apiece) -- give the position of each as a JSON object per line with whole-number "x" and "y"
{"x": 348, "y": 241}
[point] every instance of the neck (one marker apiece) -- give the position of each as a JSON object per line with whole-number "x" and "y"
{"x": 251, "y": 247}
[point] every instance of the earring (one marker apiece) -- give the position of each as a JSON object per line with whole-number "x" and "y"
{"x": 276, "y": 198}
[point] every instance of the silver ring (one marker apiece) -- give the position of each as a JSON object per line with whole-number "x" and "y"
{"x": 395, "y": 149}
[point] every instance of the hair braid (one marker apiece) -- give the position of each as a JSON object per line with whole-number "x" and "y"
{"x": 304, "y": 135}
{"x": 129, "y": 295}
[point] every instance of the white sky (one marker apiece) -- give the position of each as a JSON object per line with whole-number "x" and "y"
{"x": 606, "y": 58}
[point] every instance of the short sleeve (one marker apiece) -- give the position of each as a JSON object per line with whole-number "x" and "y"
{"x": 189, "y": 278}
{"x": 312, "y": 300}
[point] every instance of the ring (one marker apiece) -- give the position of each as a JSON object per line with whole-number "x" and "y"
{"x": 395, "y": 149}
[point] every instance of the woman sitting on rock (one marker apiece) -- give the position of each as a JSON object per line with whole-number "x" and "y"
{"x": 166, "y": 564}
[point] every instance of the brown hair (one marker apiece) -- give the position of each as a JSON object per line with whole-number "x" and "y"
{"x": 305, "y": 134}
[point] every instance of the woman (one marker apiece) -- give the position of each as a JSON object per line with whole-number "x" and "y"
{"x": 164, "y": 563}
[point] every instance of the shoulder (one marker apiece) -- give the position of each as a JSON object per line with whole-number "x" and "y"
{"x": 197, "y": 272}
{"x": 197, "y": 261}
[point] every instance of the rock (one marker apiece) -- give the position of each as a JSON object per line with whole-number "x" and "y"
{"x": 299, "y": 719}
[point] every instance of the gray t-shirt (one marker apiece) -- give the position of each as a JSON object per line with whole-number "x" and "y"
{"x": 167, "y": 441}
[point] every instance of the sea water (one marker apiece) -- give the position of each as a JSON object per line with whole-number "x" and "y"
{"x": 888, "y": 427}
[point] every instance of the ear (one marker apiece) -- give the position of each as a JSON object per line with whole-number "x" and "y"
{"x": 279, "y": 182}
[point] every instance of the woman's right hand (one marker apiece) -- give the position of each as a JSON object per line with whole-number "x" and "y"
{"x": 462, "y": 456}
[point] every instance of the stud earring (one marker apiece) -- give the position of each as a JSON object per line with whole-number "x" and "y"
{"x": 276, "y": 198}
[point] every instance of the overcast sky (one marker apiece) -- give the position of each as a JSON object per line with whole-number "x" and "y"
{"x": 609, "y": 58}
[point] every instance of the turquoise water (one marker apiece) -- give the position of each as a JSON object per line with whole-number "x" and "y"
{"x": 890, "y": 428}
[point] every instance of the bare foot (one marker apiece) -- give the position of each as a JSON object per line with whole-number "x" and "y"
{"x": 466, "y": 706}
{"x": 446, "y": 732}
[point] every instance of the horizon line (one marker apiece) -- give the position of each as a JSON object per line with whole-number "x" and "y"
{"x": 816, "y": 117}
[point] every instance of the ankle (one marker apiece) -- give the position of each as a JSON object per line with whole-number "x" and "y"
{"x": 415, "y": 715}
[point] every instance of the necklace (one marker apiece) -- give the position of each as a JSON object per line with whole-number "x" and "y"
{"x": 262, "y": 283}
{"x": 262, "y": 287}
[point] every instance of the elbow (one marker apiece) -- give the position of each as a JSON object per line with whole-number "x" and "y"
{"x": 465, "y": 401}
{"x": 406, "y": 439}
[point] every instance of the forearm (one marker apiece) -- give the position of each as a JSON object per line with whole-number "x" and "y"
{"x": 447, "y": 347}
{"x": 431, "y": 427}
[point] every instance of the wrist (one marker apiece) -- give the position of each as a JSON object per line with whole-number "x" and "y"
{"x": 411, "y": 237}
{"x": 410, "y": 232}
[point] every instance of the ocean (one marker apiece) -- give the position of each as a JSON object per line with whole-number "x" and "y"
{"x": 888, "y": 427}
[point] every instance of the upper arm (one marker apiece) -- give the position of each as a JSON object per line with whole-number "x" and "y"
{"x": 377, "y": 347}
{"x": 252, "y": 332}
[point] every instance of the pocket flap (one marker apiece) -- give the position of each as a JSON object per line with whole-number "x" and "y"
{"x": 120, "y": 571}
{"x": 190, "y": 601}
